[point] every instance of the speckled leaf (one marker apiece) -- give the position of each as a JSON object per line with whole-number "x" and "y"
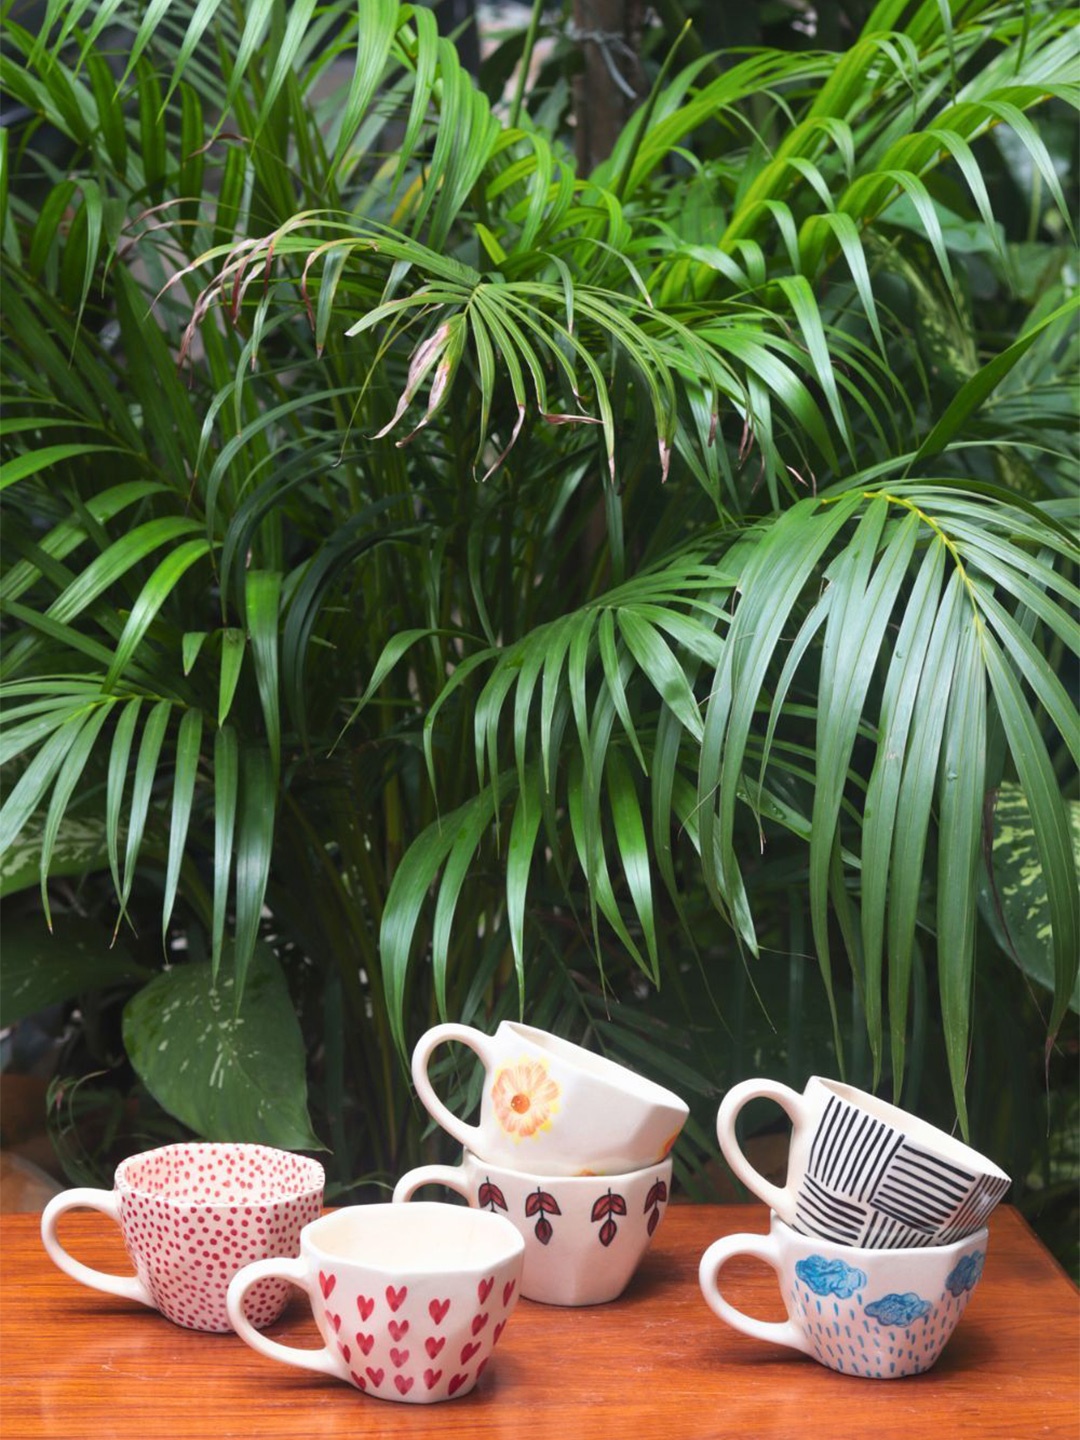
{"x": 1012, "y": 897}
{"x": 41, "y": 969}
{"x": 230, "y": 1073}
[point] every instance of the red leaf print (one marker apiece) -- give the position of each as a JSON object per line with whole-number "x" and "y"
{"x": 490, "y": 1194}
{"x": 653, "y": 1221}
{"x": 543, "y": 1230}
{"x": 541, "y": 1203}
{"x": 656, "y": 1196}
{"x": 608, "y": 1231}
{"x": 608, "y": 1204}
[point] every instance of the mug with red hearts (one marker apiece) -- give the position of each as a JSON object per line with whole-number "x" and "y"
{"x": 191, "y": 1215}
{"x": 410, "y": 1300}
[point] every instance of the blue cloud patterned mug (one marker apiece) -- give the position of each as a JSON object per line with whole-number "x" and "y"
{"x": 880, "y": 1314}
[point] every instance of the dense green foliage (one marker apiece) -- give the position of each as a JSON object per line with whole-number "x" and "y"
{"x": 437, "y": 581}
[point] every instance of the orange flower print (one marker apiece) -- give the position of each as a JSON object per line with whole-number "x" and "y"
{"x": 525, "y": 1098}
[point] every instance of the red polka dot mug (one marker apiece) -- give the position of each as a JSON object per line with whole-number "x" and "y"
{"x": 551, "y": 1107}
{"x": 410, "y": 1300}
{"x": 191, "y": 1216}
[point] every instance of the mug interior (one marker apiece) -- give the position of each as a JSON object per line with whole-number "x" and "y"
{"x": 423, "y": 1238}
{"x": 598, "y": 1066}
{"x": 220, "y": 1174}
{"x": 921, "y": 1132}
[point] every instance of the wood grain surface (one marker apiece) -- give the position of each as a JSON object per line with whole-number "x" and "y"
{"x": 654, "y": 1365}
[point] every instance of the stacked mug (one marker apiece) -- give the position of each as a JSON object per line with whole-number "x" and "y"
{"x": 877, "y": 1236}
{"x": 571, "y": 1147}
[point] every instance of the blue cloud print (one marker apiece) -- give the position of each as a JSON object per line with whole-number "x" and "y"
{"x": 829, "y": 1277}
{"x": 965, "y": 1275}
{"x": 898, "y": 1310}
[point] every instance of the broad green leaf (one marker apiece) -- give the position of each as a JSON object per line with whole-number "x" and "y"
{"x": 43, "y": 968}
{"x": 229, "y": 1070}
{"x": 1012, "y": 894}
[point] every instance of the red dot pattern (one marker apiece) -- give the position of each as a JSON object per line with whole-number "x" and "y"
{"x": 193, "y": 1215}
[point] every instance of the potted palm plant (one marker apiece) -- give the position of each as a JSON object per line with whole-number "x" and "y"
{"x": 440, "y": 580}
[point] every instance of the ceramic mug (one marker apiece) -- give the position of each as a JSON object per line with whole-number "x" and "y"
{"x": 862, "y": 1172}
{"x": 584, "y": 1235}
{"x": 881, "y": 1314}
{"x": 191, "y": 1215}
{"x": 551, "y": 1107}
{"x": 410, "y": 1303}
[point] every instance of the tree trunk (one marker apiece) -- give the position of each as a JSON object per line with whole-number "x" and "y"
{"x": 612, "y": 83}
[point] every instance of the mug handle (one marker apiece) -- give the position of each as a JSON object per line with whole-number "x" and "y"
{"x": 448, "y": 1175}
{"x": 780, "y": 1199}
{"x": 479, "y": 1043}
{"x": 758, "y": 1247}
{"x": 127, "y": 1287}
{"x": 323, "y": 1362}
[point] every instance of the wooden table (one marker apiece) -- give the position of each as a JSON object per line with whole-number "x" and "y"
{"x": 655, "y": 1365}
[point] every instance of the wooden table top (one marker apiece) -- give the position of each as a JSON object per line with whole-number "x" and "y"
{"x": 654, "y": 1365}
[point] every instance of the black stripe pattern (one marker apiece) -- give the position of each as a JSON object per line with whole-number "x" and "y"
{"x": 867, "y": 1184}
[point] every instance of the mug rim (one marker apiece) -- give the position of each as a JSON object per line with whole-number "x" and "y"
{"x": 905, "y": 1254}
{"x": 312, "y": 1175}
{"x": 598, "y": 1067}
{"x": 914, "y": 1127}
{"x": 552, "y": 1181}
{"x": 504, "y": 1236}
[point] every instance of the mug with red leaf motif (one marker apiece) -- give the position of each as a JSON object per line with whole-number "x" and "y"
{"x": 410, "y": 1303}
{"x": 585, "y": 1235}
{"x": 551, "y": 1107}
{"x": 191, "y": 1215}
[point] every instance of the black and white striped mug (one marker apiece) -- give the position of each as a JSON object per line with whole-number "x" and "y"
{"x": 862, "y": 1172}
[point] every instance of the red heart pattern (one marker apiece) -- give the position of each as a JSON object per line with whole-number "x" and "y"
{"x": 433, "y": 1344}
{"x": 456, "y": 1384}
{"x": 404, "y": 1383}
{"x": 395, "y": 1298}
{"x": 345, "y": 1351}
{"x": 326, "y": 1284}
{"x": 479, "y": 1321}
{"x": 399, "y": 1357}
{"x": 365, "y": 1306}
{"x": 508, "y": 1290}
{"x": 358, "y": 1380}
{"x": 398, "y": 1329}
{"x": 432, "y": 1378}
{"x": 497, "y": 1332}
{"x": 437, "y": 1310}
{"x": 469, "y": 1350}
{"x": 375, "y": 1376}
{"x": 335, "y": 1320}
{"x": 365, "y": 1341}
{"x": 484, "y": 1288}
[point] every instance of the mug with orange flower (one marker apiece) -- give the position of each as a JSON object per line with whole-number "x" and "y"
{"x": 551, "y": 1107}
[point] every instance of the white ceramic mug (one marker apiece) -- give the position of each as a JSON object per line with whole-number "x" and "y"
{"x": 584, "y": 1235}
{"x": 862, "y": 1172}
{"x": 410, "y": 1303}
{"x": 880, "y": 1314}
{"x": 191, "y": 1215}
{"x": 551, "y": 1107}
